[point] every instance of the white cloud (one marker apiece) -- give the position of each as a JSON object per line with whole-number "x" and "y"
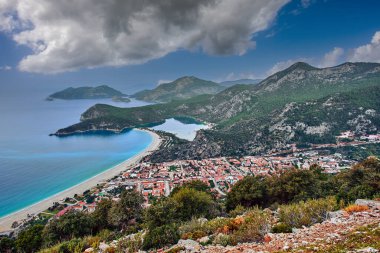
{"x": 159, "y": 82}
{"x": 285, "y": 64}
{"x": 5, "y": 68}
{"x": 332, "y": 58}
{"x": 68, "y": 35}
{"x": 237, "y": 76}
{"x": 369, "y": 52}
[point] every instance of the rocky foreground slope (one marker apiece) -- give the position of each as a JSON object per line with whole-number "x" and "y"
{"x": 342, "y": 232}
{"x": 355, "y": 231}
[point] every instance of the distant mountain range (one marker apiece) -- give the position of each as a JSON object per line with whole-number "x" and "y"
{"x": 240, "y": 81}
{"x": 301, "y": 104}
{"x": 182, "y": 88}
{"x": 102, "y": 91}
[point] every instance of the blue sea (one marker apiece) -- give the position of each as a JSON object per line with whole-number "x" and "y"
{"x": 34, "y": 165}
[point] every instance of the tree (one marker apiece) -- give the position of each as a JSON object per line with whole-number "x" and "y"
{"x": 101, "y": 214}
{"x": 192, "y": 203}
{"x": 160, "y": 237}
{"x": 128, "y": 211}
{"x": 30, "y": 239}
{"x": 296, "y": 185}
{"x": 248, "y": 192}
{"x": 193, "y": 184}
{"x": 362, "y": 181}
{"x": 71, "y": 225}
{"x": 7, "y": 245}
{"x": 164, "y": 211}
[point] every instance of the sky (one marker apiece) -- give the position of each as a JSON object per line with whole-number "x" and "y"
{"x": 137, "y": 44}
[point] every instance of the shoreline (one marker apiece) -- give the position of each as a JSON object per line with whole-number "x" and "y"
{"x": 6, "y": 221}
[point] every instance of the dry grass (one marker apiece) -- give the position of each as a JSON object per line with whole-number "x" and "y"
{"x": 356, "y": 208}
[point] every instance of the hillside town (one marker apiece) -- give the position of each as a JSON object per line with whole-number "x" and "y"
{"x": 154, "y": 180}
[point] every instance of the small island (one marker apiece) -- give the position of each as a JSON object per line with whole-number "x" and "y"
{"x": 102, "y": 91}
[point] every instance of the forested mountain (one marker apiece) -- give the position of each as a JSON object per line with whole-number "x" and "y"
{"x": 182, "y": 88}
{"x": 299, "y": 104}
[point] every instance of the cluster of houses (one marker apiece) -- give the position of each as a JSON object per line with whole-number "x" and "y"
{"x": 154, "y": 180}
{"x": 350, "y": 136}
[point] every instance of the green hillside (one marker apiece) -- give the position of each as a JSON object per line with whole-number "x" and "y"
{"x": 299, "y": 104}
{"x": 102, "y": 91}
{"x": 182, "y": 88}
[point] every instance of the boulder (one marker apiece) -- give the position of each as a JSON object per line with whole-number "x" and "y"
{"x": 337, "y": 214}
{"x": 368, "y": 250}
{"x": 189, "y": 245}
{"x": 204, "y": 239}
{"x": 103, "y": 247}
{"x": 373, "y": 204}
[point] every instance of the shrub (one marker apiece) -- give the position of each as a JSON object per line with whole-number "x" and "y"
{"x": 92, "y": 241}
{"x": 295, "y": 185}
{"x": 193, "y": 203}
{"x": 361, "y": 181}
{"x": 281, "y": 228}
{"x": 222, "y": 239}
{"x": 131, "y": 243}
{"x": 71, "y": 225}
{"x": 197, "y": 228}
{"x": 248, "y": 192}
{"x": 176, "y": 249}
{"x": 306, "y": 213}
{"x": 356, "y": 208}
{"x": 30, "y": 239}
{"x": 126, "y": 214}
{"x": 255, "y": 225}
{"x": 7, "y": 245}
{"x": 239, "y": 210}
{"x": 160, "y": 237}
{"x": 72, "y": 246}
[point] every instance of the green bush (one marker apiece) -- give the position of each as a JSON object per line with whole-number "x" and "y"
{"x": 30, "y": 239}
{"x": 256, "y": 224}
{"x": 361, "y": 181}
{"x": 160, "y": 237}
{"x": 192, "y": 203}
{"x": 132, "y": 243}
{"x": 281, "y": 228}
{"x": 7, "y": 245}
{"x": 222, "y": 239}
{"x": 71, "y": 225}
{"x": 72, "y": 246}
{"x": 248, "y": 192}
{"x": 306, "y": 213}
{"x": 239, "y": 210}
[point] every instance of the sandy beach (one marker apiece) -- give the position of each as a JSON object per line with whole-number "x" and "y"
{"x": 6, "y": 222}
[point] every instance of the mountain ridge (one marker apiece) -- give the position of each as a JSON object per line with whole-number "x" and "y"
{"x": 251, "y": 119}
{"x": 182, "y": 88}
